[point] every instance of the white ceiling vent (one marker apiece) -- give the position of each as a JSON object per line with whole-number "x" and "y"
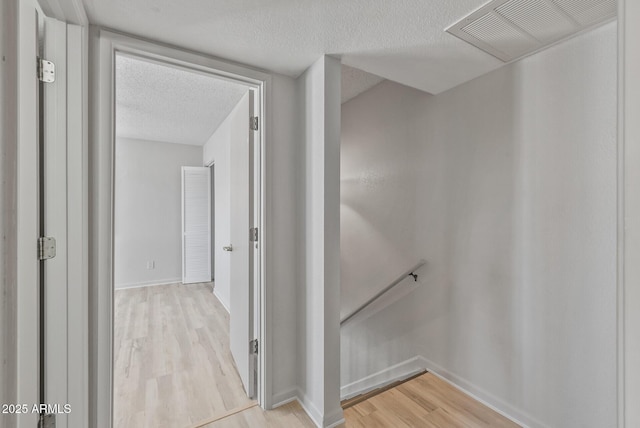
{"x": 511, "y": 29}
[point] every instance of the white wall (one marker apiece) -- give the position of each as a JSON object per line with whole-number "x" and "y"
{"x": 629, "y": 209}
{"x": 287, "y": 240}
{"x": 232, "y": 130}
{"x": 319, "y": 226}
{"x": 8, "y": 161}
{"x": 282, "y": 257}
{"x": 148, "y": 218}
{"x": 506, "y": 186}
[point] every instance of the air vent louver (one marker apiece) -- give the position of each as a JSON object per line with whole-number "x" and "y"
{"x": 511, "y": 29}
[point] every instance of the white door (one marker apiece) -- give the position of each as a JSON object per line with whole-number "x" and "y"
{"x": 28, "y": 216}
{"x": 196, "y": 224}
{"x": 54, "y": 205}
{"x": 242, "y": 255}
{"x": 50, "y": 203}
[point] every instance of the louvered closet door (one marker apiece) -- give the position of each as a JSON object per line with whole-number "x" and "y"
{"x": 196, "y": 225}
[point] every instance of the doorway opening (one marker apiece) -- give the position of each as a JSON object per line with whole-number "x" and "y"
{"x": 184, "y": 344}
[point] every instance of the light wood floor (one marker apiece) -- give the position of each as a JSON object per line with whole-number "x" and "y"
{"x": 425, "y": 401}
{"x": 290, "y": 415}
{"x": 173, "y": 367}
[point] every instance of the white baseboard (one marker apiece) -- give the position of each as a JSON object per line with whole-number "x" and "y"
{"x": 311, "y": 410}
{"x": 148, "y": 283}
{"x": 384, "y": 377}
{"x": 418, "y": 363}
{"x": 222, "y": 302}
{"x": 295, "y": 394}
{"x": 508, "y": 411}
{"x": 284, "y": 397}
{"x": 334, "y": 419}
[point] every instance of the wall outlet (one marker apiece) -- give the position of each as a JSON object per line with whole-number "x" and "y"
{"x": 151, "y": 264}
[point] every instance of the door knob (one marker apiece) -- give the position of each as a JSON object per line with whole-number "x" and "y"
{"x": 229, "y": 248}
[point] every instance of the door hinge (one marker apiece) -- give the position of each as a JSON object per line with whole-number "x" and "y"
{"x": 253, "y": 234}
{"x": 46, "y": 71}
{"x": 253, "y": 346}
{"x": 47, "y": 420}
{"x": 46, "y": 248}
{"x": 253, "y": 123}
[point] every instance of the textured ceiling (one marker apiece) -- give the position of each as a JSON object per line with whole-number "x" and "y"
{"x": 160, "y": 103}
{"x": 400, "y": 40}
{"x": 355, "y": 82}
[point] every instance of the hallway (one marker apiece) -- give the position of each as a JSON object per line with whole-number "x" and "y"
{"x": 172, "y": 367}
{"x": 424, "y": 401}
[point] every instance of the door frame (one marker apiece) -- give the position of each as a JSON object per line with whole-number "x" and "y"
{"x": 64, "y": 129}
{"x": 104, "y": 44}
{"x": 212, "y": 218}
{"x": 28, "y": 215}
{"x": 628, "y": 231}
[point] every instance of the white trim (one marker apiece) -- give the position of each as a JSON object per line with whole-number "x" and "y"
{"x": 335, "y": 419}
{"x": 620, "y": 219}
{"x": 167, "y": 281}
{"x": 628, "y": 231}
{"x": 105, "y": 43}
{"x": 285, "y": 397}
{"x": 483, "y": 396}
{"x": 77, "y": 219}
{"x": 418, "y": 363}
{"x": 265, "y": 309}
{"x": 311, "y": 410}
{"x": 224, "y": 305}
{"x": 314, "y": 414}
{"x": 69, "y": 11}
{"x": 28, "y": 348}
{"x": 66, "y": 220}
{"x": 55, "y": 179}
{"x": 384, "y": 377}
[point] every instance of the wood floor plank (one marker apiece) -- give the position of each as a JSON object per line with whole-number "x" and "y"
{"x": 408, "y": 410}
{"x": 453, "y": 404}
{"x": 172, "y": 363}
{"x": 425, "y": 401}
{"x": 444, "y": 396}
{"x": 173, "y": 369}
{"x": 363, "y": 397}
{"x": 441, "y": 419}
{"x": 290, "y": 415}
{"x": 205, "y": 422}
